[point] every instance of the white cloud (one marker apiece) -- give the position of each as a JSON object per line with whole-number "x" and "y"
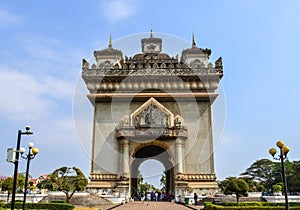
{"x": 32, "y": 98}
{"x": 115, "y": 10}
{"x": 9, "y": 19}
{"x": 42, "y": 56}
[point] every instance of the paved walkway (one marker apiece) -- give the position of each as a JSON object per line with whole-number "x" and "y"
{"x": 138, "y": 205}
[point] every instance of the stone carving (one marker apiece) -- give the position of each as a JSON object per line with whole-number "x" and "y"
{"x": 163, "y": 65}
{"x": 162, "y": 71}
{"x": 196, "y": 64}
{"x": 199, "y": 177}
{"x": 218, "y": 62}
{"x": 124, "y": 122}
{"x": 131, "y": 66}
{"x": 105, "y": 65}
{"x": 96, "y": 176}
{"x": 151, "y": 119}
{"x": 178, "y": 121}
{"x": 85, "y": 64}
{"x": 152, "y": 116}
{"x": 157, "y": 132}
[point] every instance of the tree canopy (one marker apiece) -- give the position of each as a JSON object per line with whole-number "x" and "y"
{"x": 163, "y": 180}
{"x": 67, "y": 180}
{"x": 233, "y": 185}
{"x": 293, "y": 178}
{"x": 264, "y": 171}
{"x": 269, "y": 174}
{"x": 7, "y": 185}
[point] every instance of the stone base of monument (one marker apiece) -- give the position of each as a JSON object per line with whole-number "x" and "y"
{"x": 82, "y": 199}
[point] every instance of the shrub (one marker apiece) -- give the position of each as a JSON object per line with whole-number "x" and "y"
{"x": 264, "y": 206}
{"x": 241, "y": 204}
{"x": 59, "y": 201}
{"x": 50, "y": 206}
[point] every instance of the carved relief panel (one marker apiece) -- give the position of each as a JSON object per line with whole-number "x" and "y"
{"x": 151, "y": 116}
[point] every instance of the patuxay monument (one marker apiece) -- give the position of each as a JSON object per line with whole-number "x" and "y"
{"x": 152, "y": 106}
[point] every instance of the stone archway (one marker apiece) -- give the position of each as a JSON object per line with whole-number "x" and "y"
{"x": 152, "y": 151}
{"x": 155, "y": 98}
{"x": 151, "y": 132}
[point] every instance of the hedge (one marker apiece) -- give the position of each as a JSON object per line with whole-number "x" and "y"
{"x": 241, "y": 204}
{"x": 50, "y": 206}
{"x": 259, "y": 206}
{"x": 59, "y": 201}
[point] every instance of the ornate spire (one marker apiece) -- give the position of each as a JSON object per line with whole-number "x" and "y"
{"x": 110, "y": 42}
{"x": 193, "y": 41}
{"x": 151, "y": 32}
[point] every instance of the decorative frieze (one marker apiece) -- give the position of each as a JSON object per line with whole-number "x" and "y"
{"x": 149, "y": 120}
{"x": 199, "y": 177}
{"x": 153, "y": 84}
{"x": 133, "y": 133}
{"x": 143, "y": 70}
{"x": 103, "y": 177}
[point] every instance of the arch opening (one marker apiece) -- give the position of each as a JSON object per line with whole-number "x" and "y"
{"x": 152, "y": 171}
{"x": 152, "y": 152}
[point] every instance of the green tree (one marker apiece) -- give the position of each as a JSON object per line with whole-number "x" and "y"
{"x": 265, "y": 172}
{"x": 163, "y": 180}
{"x": 141, "y": 185}
{"x": 269, "y": 173}
{"x": 144, "y": 187}
{"x": 277, "y": 187}
{"x": 237, "y": 186}
{"x": 140, "y": 177}
{"x": 20, "y": 182}
{"x": 68, "y": 180}
{"x": 45, "y": 184}
{"x": 293, "y": 179}
{"x": 7, "y": 185}
{"x": 254, "y": 186}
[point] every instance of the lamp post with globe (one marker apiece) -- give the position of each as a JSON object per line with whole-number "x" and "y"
{"x": 32, "y": 152}
{"x": 282, "y": 156}
{"x": 16, "y": 162}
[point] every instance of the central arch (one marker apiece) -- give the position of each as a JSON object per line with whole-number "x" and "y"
{"x": 152, "y": 151}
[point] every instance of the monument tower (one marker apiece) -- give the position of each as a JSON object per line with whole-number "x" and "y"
{"x": 152, "y": 106}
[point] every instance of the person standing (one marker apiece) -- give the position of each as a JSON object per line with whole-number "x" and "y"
{"x": 163, "y": 196}
{"x": 148, "y": 196}
{"x": 195, "y": 198}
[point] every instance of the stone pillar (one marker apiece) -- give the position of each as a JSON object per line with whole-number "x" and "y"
{"x": 126, "y": 157}
{"x": 179, "y": 155}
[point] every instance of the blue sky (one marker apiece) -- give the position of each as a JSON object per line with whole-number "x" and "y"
{"x": 42, "y": 44}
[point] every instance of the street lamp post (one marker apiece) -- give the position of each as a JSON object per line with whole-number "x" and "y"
{"x": 16, "y": 162}
{"x": 282, "y": 156}
{"x": 32, "y": 152}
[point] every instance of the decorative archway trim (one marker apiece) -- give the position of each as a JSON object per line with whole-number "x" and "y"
{"x": 150, "y": 143}
{"x": 152, "y": 101}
